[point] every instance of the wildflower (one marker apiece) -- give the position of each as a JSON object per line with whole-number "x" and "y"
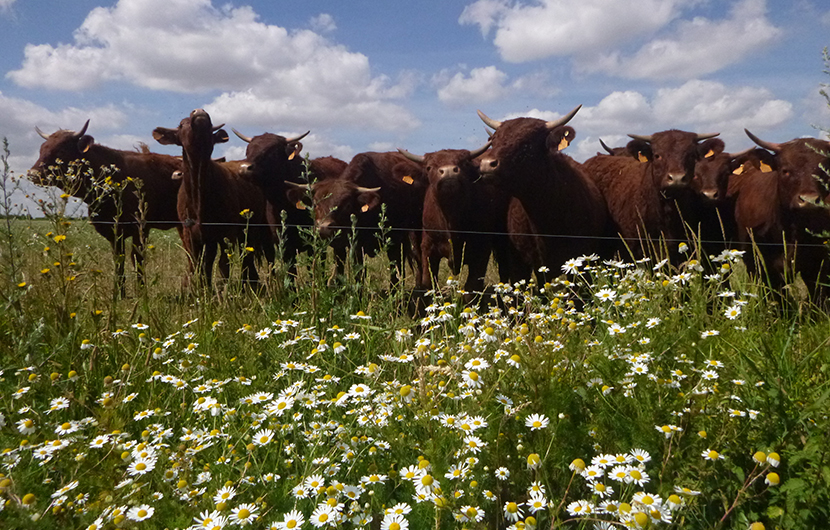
{"x": 592, "y": 472}
{"x": 244, "y": 514}
{"x": 474, "y": 444}
{"x": 773, "y": 459}
{"x": 615, "y": 329}
{"x": 502, "y": 473}
{"x": 636, "y": 476}
{"x": 263, "y": 437}
{"x": 224, "y": 494}
{"x": 772, "y": 479}
{"x": 577, "y": 466}
{"x": 572, "y": 266}
{"x": 512, "y": 512}
{"x": 601, "y": 490}
{"x": 471, "y": 513}
{"x": 652, "y": 322}
{"x": 760, "y": 457}
{"x": 26, "y": 426}
{"x": 536, "y": 502}
{"x": 580, "y": 508}
{"x": 537, "y": 421}
{"x": 732, "y": 312}
{"x": 141, "y": 466}
{"x": 471, "y": 378}
{"x": 668, "y": 430}
{"x": 711, "y": 454}
{"x": 640, "y": 456}
{"x": 291, "y": 520}
{"x": 323, "y": 515}
{"x": 140, "y": 512}
{"x": 606, "y": 295}
{"x": 533, "y": 461}
{"x": 686, "y": 491}
{"x": 709, "y": 333}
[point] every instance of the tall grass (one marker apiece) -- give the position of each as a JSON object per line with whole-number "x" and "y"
{"x": 620, "y": 395}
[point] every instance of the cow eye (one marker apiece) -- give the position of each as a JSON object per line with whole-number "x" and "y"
{"x": 658, "y": 157}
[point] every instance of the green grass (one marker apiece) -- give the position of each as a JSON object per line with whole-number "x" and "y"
{"x": 611, "y": 357}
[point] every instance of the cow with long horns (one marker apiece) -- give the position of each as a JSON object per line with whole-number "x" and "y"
{"x": 272, "y": 162}
{"x": 146, "y": 198}
{"x": 781, "y": 205}
{"x": 216, "y": 205}
{"x": 558, "y": 211}
{"x": 464, "y": 217}
{"x": 649, "y": 194}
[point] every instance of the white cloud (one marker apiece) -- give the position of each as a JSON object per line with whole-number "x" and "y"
{"x": 323, "y": 23}
{"x": 188, "y": 46}
{"x": 545, "y": 28}
{"x": 482, "y": 85}
{"x": 6, "y": 4}
{"x": 696, "y": 47}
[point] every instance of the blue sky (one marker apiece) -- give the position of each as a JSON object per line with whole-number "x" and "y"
{"x": 374, "y": 75}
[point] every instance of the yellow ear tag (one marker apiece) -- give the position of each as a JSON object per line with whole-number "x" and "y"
{"x": 365, "y": 207}
{"x": 300, "y": 205}
{"x": 563, "y": 144}
{"x": 291, "y": 156}
{"x": 738, "y": 170}
{"x": 86, "y": 148}
{"x": 406, "y": 179}
{"x": 710, "y": 153}
{"x": 765, "y": 168}
{"x": 642, "y": 158}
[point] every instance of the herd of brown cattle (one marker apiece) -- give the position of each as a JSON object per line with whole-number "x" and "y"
{"x": 518, "y": 197}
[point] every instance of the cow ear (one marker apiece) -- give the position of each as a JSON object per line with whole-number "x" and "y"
{"x": 293, "y": 149}
{"x": 640, "y": 150}
{"x": 761, "y": 159}
{"x": 408, "y": 173}
{"x": 220, "y": 136}
{"x": 560, "y": 138}
{"x": 711, "y": 147}
{"x": 166, "y": 136}
{"x": 368, "y": 200}
{"x": 85, "y": 142}
{"x": 297, "y": 195}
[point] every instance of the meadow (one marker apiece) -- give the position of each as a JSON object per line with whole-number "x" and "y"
{"x": 618, "y": 394}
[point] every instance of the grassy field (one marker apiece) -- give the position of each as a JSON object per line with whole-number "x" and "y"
{"x": 619, "y": 395}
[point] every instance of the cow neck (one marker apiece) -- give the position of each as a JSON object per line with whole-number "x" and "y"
{"x": 558, "y": 182}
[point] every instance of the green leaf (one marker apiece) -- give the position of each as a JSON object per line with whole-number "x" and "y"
{"x": 774, "y": 512}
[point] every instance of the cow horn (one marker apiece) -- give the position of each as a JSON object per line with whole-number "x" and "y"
{"x": 361, "y": 189}
{"x": 415, "y": 158}
{"x": 742, "y": 153}
{"x": 83, "y": 129}
{"x": 246, "y": 139}
{"x": 489, "y": 132}
{"x": 41, "y": 133}
{"x": 604, "y": 146}
{"x": 217, "y": 127}
{"x": 564, "y": 119}
{"x": 646, "y": 139}
{"x": 298, "y": 138}
{"x": 706, "y": 136}
{"x": 479, "y": 151}
{"x": 298, "y": 186}
{"x": 490, "y": 122}
{"x": 766, "y": 145}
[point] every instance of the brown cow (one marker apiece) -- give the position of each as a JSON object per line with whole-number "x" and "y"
{"x": 464, "y": 217}
{"x": 614, "y": 151}
{"x": 778, "y": 204}
{"x": 369, "y": 180}
{"x": 130, "y": 213}
{"x": 556, "y": 201}
{"x": 272, "y": 162}
{"x": 648, "y": 194}
{"x": 212, "y": 199}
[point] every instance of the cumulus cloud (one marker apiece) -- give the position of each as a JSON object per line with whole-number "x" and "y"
{"x": 481, "y": 85}
{"x": 696, "y": 47}
{"x": 189, "y": 46}
{"x": 6, "y": 4}
{"x": 323, "y": 23}
{"x": 597, "y": 34}
{"x": 527, "y": 31}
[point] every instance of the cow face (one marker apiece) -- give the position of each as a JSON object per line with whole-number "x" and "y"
{"x": 672, "y": 155}
{"x": 270, "y": 156}
{"x": 712, "y": 174}
{"x": 802, "y": 182}
{"x": 63, "y": 145}
{"x": 195, "y": 134}
{"x": 449, "y": 172}
{"x": 521, "y": 147}
{"x": 335, "y": 201}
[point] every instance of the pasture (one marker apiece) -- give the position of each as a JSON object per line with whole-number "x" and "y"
{"x": 620, "y": 394}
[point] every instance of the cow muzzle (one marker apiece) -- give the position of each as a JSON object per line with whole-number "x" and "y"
{"x": 488, "y": 166}
{"x": 710, "y": 194}
{"x": 676, "y": 179}
{"x": 809, "y": 201}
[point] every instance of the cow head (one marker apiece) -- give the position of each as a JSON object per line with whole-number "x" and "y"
{"x": 195, "y": 134}
{"x": 521, "y": 145}
{"x": 449, "y": 171}
{"x": 270, "y": 156}
{"x": 712, "y": 174}
{"x": 63, "y": 145}
{"x": 672, "y": 155}
{"x": 802, "y": 182}
{"x": 335, "y": 201}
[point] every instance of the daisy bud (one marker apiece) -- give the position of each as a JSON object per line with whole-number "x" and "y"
{"x": 773, "y": 459}
{"x": 760, "y": 457}
{"x": 577, "y": 465}
{"x": 772, "y": 479}
{"x": 757, "y": 526}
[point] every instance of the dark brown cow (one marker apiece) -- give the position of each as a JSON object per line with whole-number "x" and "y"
{"x": 778, "y": 204}
{"x": 115, "y": 215}
{"x": 556, "y": 202}
{"x": 464, "y": 217}
{"x": 649, "y": 194}
{"x": 274, "y": 160}
{"x": 372, "y": 179}
{"x": 211, "y": 200}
